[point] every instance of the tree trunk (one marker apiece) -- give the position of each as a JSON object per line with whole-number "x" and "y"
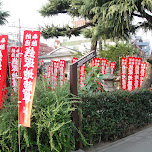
{"x": 100, "y": 45}
{"x": 93, "y": 45}
{"x": 148, "y": 77}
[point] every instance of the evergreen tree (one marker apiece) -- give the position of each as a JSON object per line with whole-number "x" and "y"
{"x": 107, "y": 19}
{"x": 3, "y": 15}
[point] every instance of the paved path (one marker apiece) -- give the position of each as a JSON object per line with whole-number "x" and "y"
{"x": 138, "y": 142}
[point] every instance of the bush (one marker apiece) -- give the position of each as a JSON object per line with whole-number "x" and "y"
{"x": 111, "y": 115}
{"x": 51, "y": 124}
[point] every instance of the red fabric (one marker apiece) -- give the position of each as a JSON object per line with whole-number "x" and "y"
{"x": 56, "y": 73}
{"x": 3, "y": 67}
{"x": 142, "y": 72}
{"x": 52, "y": 74}
{"x": 130, "y": 74}
{"x": 74, "y": 59}
{"x": 137, "y": 73}
{"x": 62, "y": 72}
{"x": 112, "y": 66}
{"x": 28, "y": 73}
{"x": 103, "y": 66}
{"x": 123, "y": 73}
{"x": 82, "y": 75}
{"x": 14, "y": 67}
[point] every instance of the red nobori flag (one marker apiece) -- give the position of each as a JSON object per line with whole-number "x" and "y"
{"x": 82, "y": 75}
{"x": 130, "y": 74}
{"x": 74, "y": 59}
{"x": 103, "y": 66}
{"x": 14, "y": 67}
{"x": 52, "y": 74}
{"x": 49, "y": 74}
{"x": 29, "y": 63}
{"x": 112, "y": 66}
{"x": 62, "y": 72}
{"x": 123, "y": 73}
{"x": 96, "y": 62}
{"x": 137, "y": 73}
{"x": 3, "y": 66}
{"x": 56, "y": 73}
{"x": 142, "y": 72}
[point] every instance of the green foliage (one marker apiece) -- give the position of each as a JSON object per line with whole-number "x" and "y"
{"x": 9, "y": 124}
{"x": 108, "y": 19}
{"x": 51, "y": 125}
{"x": 113, "y": 115}
{"x": 114, "y": 52}
{"x": 93, "y": 79}
{"x": 125, "y": 12}
{"x": 3, "y": 15}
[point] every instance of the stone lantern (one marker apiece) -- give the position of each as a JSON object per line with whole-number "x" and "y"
{"x": 109, "y": 80}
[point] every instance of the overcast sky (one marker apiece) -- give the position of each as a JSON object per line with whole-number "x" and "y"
{"x": 27, "y": 12}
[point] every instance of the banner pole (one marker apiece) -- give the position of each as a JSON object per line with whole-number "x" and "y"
{"x": 19, "y": 90}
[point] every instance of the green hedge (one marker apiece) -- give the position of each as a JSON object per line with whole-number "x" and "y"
{"x": 111, "y": 115}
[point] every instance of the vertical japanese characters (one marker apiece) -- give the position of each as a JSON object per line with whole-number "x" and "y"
{"x": 82, "y": 75}
{"x": 123, "y": 73}
{"x": 130, "y": 74}
{"x": 62, "y": 72}
{"x": 133, "y": 71}
{"x": 56, "y": 73}
{"x": 137, "y": 73}
{"x": 3, "y": 66}
{"x": 29, "y": 62}
{"x": 103, "y": 66}
{"x": 142, "y": 72}
{"x": 112, "y": 66}
{"x": 14, "y": 67}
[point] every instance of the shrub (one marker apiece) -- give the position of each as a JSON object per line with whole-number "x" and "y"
{"x": 110, "y": 115}
{"x": 51, "y": 124}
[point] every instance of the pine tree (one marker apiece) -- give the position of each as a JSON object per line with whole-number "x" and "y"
{"x": 107, "y": 19}
{"x": 3, "y": 15}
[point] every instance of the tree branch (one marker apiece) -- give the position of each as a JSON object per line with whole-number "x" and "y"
{"x": 81, "y": 27}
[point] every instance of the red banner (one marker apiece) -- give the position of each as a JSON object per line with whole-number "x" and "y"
{"x": 29, "y": 63}
{"x": 74, "y": 59}
{"x": 112, "y": 66}
{"x": 49, "y": 74}
{"x": 52, "y": 74}
{"x": 3, "y": 67}
{"x": 130, "y": 74}
{"x": 14, "y": 67}
{"x": 82, "y": 75}
{"x": 137, "y": 73}
{"x": 62, "y": 72}
{"x": 123, "y": 73}
{"x": 95, "y": 62}
{"x": 56, "y": 73}
{"x": 142, "y": 72}
{"x": 103, "y": 66}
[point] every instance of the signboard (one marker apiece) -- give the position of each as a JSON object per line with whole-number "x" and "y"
{"x": 85, "y": 59}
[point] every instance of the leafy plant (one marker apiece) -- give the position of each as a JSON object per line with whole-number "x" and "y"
{"x": 114, "y": 52}
{"x": 51, "y": 125}
{"x": 93, "y": 80}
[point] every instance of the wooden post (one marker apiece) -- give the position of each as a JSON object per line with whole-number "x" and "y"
{"x": 73, "y": 89}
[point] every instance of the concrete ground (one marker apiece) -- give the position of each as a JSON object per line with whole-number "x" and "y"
{"x": 138, "y": 142}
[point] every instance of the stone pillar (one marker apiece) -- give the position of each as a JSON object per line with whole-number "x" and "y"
{"x": 109, "y": 80}
{"x": 117, "y": 80}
